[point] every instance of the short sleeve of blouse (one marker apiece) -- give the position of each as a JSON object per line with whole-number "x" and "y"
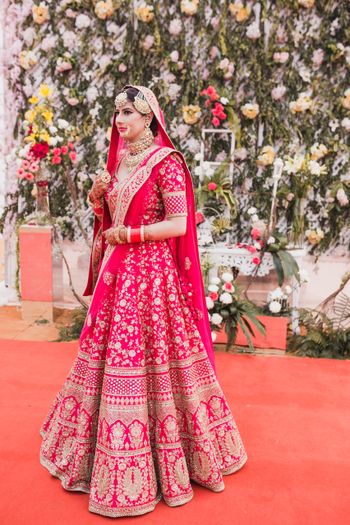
{"x": 172, "y": 184}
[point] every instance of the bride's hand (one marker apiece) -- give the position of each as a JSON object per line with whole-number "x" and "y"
{"x": 98, "y": 188}
{"x": 111, "y": 237}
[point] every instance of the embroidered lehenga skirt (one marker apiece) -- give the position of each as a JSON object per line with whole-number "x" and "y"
{"x": 141, "y": 413}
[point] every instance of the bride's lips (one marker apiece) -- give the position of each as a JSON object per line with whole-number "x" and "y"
{"x": 122, "y": 129}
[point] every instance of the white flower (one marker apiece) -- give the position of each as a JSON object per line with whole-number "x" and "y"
{"x": 91, "y": 93}
{"x": 48, "y": 43}
{"x": 174, "y": 56}
{"x": 175, "y": 27}
{"x": 148, "y": 42}
{"x": 241, "y": 154}
{"x": 82, "y": 21}
{"x": 213, "y": 288}
{"x": 227, "y": 277}
{"x": 213, "y": 336}
{"x": 280, "y": 57}
{"x": 53, "y": 129}
{"x": 346, "y": 123}
{"x": 253, "y": 31}
{"x": 255, "y": 217}
{"x": 275, "y": 307}
{"x": 316, "y": 168}
{"x": 271, "y": 240}
{"x": 216, "y": 319}
{"x": 224, "y": 100}
{"x": 62, "y": 124}
{"x": 198, "y": 157}
{"x": 215, "y": 280}
{"x": 276, "y": 293}
{"x": 342, "y": 197}
{"x": 209, "y": 303}
{"x": 288, "y": 289}
{"x": 28, "y": 35}
{"x": 251, "y": 210}
{"x": 226, "y": 298}
{"x": 278, "y": 92}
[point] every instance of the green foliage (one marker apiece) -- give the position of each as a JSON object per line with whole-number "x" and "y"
{"x": 71, "y": 331}
{"x": 321, "y": 335}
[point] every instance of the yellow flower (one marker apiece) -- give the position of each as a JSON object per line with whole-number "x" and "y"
{"x": 318, "y": 151}
{"x": 240, "y": 12}
{"x": 346, "y": 99}
{"x": 250, "y": 110}
{"x": 30, "y": 115}
{"x": 145, "y": 13}
{"x": 189, "y": 7}
{"x": 40, "y": 13}
{"x": 104, "y": 10}
{"x": 48, "y": 115}
{"x": 308, "y": 4}
{"x": 302, "y": 104}
{"x": 266, "y": 157}
{"x": 29, "y": 138}
{"x": 27, "y": 59}
{"x": 33, "y": 100}
{"x": 44, "y": 135}
{"x": 191, "y": 114}
{"x": 45, "y": 91}
{"x": 314, "y": 236}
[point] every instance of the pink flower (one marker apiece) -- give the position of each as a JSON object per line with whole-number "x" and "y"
{"x": 212, "y": 186}
{"x": 72, "y": 156}
{"x": 228, "y": 287}
{"x": 71, "y": 145}
{"x": 214, "y": 296}
{"x": 251, "y": 248}
{"x": 20, "y": 172}
{"x": 28, "y": 176}
{"x": 56, "y": 160}
{"x": 281, "y": 57}
{"x": 255, "y": 233}
{"x": 317, "y": 57}
{"x": 56, "y": 151}
{"x": 278, "y": 92}
{"x": 199, "y": 217}
{"x": 216, "y": 122}
{"x": 64, "y": 150}
{"x": 256, "y": 260}
{"x": 122, "y": 68}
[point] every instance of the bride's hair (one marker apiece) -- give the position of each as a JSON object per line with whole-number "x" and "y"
{"x": 131, "y": 94}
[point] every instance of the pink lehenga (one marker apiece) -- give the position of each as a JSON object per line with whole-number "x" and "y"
{"x": 142, "y": 413}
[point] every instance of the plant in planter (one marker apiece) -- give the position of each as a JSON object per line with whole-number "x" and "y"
{"x": 277, "y": 302}
{"x": 47, "y": 147}
{"x": 304, "y": 170}
{"x": 268, "y": 239}
{"x": 228, "y": 310}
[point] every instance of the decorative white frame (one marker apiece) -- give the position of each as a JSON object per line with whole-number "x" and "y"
{"x": 206, "y": 131}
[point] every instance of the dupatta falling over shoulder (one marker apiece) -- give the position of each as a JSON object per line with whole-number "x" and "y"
{"x": 184, "y": 248}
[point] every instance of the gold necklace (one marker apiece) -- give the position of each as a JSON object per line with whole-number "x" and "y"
{"x": 138, "y": 150}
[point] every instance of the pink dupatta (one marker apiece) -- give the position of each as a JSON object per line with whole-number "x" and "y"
{"x": 184, "y": 248}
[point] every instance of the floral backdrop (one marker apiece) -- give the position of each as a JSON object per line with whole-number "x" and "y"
{"x": 273, "y": 72}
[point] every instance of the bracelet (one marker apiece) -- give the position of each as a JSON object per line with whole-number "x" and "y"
{"x": 142, "y": 232}
{"x": 128, "y": 231}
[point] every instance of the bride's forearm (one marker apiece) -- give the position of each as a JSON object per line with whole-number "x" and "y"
{"x": 174, "y": 227}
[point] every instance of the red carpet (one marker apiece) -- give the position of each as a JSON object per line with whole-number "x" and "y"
{"x": 293, "y": 415}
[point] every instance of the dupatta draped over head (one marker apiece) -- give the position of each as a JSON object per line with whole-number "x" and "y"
{"x": 184, "y": 248}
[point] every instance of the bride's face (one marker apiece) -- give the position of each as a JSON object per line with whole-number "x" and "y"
{"x": 130, "y": 122}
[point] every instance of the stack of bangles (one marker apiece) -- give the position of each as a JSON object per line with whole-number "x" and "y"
{"x": 132, "y": 234}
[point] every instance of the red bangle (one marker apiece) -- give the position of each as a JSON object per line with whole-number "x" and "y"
{"x": 135, "y": 235}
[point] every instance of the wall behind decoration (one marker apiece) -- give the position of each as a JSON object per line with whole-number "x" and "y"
{"x": 289, "y": 58}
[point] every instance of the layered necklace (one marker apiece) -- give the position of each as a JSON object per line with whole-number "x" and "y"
{"x": 138, "y": 150}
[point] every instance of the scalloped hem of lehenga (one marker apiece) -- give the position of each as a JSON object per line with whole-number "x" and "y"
{"x": 103, "y": 511}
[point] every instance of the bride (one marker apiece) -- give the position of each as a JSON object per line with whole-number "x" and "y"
{"x": 142, "y": 413}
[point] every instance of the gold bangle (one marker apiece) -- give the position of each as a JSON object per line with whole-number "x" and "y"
{"x": 116, "y": 235}
{"x": 142, "y": 232}
{"x": 128, "y": 232}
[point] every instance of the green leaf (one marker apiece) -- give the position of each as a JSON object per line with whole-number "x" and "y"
{"x": 279, "y": 268}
